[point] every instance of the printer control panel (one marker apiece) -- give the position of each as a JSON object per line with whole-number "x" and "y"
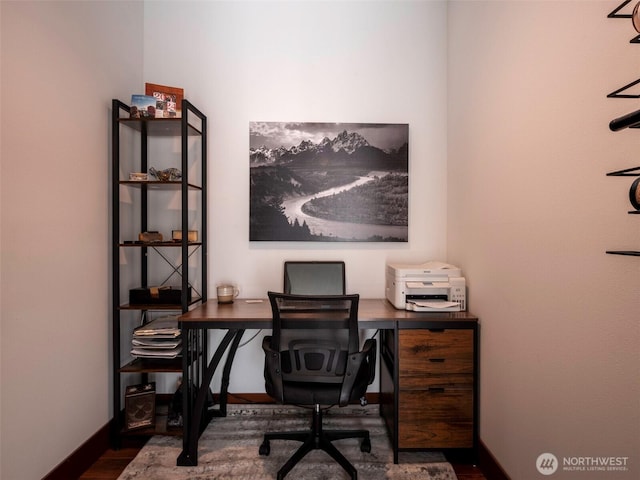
{"x": 458, "y": 294}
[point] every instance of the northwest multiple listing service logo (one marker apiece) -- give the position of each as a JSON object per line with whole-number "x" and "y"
{"x": 548, "y": 464}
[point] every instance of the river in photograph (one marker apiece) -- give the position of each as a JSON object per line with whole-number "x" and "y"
{"x": 346, "y": 230}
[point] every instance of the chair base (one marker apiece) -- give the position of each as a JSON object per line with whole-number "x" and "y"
{"x": 317, "y": 439}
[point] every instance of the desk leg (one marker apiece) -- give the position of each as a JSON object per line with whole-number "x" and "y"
{"x": 389, "y": 386}
{"x": 193, "y": 413}
{"x": 226, "y": 373}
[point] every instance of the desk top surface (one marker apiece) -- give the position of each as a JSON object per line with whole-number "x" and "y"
{"x": 372, "y": 313}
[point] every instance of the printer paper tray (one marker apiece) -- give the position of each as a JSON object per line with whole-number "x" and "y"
{"x": 433, "y": 306}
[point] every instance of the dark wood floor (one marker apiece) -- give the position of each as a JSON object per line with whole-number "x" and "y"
{"x": 111, "y": 464}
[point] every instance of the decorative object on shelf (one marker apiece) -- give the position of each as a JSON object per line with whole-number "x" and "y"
{"x": 140, "y": 406}
{"x": 168, "y": 100}
{"x": 162, "y": 295}
{"x": 192, "y": 236}
{"x": 143, "y": 106}
{"x": 138, "y": 177}
{"x": 634, "y": 194}
{"x": 635, "y": 17}
{"x": 149, "y": 237}
{"x": 166, "y": 175}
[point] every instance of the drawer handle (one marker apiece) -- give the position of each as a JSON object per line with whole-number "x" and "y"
{"x": 436, "y": 360}
{"x": 436, "y": 389}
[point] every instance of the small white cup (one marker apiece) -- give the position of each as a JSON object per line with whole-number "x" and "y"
{"x": 226, "y": 293}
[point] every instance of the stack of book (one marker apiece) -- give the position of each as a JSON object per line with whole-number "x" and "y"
{"x": 159, "y": 338}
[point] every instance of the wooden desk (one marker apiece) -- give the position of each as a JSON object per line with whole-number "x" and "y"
{"x": 398, "y": 382}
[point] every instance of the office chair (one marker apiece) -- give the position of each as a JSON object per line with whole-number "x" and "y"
{"x": 313, "y": 359}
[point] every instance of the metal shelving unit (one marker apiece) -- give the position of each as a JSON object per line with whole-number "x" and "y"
{"x": 135, "y": 263}
{"x": 630, "y": 120}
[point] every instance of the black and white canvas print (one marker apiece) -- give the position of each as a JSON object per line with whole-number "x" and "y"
{"x": 329, "y": 182}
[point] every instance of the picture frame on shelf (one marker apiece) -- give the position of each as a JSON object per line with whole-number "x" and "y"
{"x": 142, "y": 106}
{"x": 168, "y": 100}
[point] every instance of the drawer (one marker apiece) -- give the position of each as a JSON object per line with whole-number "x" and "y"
{"x": 441, "y": 418}
{"x": 428, "y": 381}
{"x": 435, "y": 352}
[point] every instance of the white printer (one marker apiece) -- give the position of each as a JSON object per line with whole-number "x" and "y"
{"x": 427, "y": 287}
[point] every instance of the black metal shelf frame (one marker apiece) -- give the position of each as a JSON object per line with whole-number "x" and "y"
{"x": 616, "y": 13}
{"x": 629, "y": 253}
{"x": 191, "y": 123}
{"x": 626, "y": 172}
{"x": 618, "y": 93}
{"x": 629, "y": 120}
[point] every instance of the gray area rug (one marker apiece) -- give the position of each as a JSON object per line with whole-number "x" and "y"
{"x": 228, "y": 449}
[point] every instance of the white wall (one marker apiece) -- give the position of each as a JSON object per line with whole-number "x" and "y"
{"x": 306, "y": 61}
{"x": 62, "y": 62}
{"x": 531, "y": 214}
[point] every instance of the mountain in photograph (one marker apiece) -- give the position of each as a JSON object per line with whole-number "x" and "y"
{"x": 347, "y": 149}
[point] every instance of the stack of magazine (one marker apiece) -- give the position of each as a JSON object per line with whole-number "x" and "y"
{"x": 159, "y": 338}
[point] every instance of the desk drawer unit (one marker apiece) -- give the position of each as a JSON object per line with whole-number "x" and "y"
{"x": 428, "y": 386}
{"x": 435, "y": 388}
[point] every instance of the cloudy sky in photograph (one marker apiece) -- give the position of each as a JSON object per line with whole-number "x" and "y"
{"x": 288, "y": 134}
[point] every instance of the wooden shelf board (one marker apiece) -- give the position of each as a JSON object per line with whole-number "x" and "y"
{"x": 160, "y": 126}
{"x": 176, "y": 307}
{"x": 157, "y": 184}
{"x": 153, "y": 365}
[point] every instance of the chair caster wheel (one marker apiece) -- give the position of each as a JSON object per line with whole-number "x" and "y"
{"x": 265, "y": 448}
{"x": 365, "y": 446}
